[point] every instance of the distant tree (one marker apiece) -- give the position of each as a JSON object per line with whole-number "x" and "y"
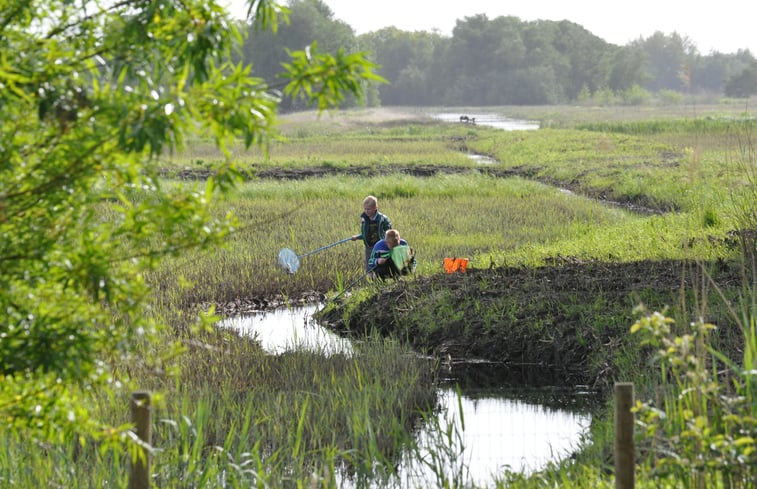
{"x": 537, "y": 85}
{"x": 666, "y": 59}
{"x": 406, "y": 60}
{"x": 412, "y": 88}
{"x": 485, "y": 61}
{"x": 308, "y": 22}
{"x": 744, "y": 84}
{"x": 709, "y": 73}
{"x": 626, "y": 68}
{"x": 481, "y": 60}
{"x": 488, "y": 59}
{"x": 588, "y": 58}
{"x": 508, "y": 51}
{"x": 92, "y": 93}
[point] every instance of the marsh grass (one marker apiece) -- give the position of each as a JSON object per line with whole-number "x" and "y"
{"x": 236, "y": 417}
{"x": 400, "y": 146}
{"x": 710, "y": 125}
{"x": 242, "y": 418}
{"x": 571, "y": 116}
{"x": 297, "y": 413}
{"x": 484, "y": 219}
{"x": 654, "y": 172}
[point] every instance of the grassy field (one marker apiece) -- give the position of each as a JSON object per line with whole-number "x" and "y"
{"x": 518, "y": 211}
{"x": 573, "y": 226}
{"x": 556, "y": 197}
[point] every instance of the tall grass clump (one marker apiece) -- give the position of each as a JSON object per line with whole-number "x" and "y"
{"x": 701, "y": 430}
{"x": 744, "y": 200}
{"x": 289, "y": 416}
{"x": 237, "y": 417}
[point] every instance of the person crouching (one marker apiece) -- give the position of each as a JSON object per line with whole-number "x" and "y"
{"x": 381, "y": 263}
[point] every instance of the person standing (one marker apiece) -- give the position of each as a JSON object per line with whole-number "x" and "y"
{"x": 373, "y": 227}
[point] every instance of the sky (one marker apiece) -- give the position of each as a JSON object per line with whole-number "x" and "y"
{"x": 725, "y": 25}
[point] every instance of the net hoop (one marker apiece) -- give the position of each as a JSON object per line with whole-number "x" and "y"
{"x": 288, "y": 261}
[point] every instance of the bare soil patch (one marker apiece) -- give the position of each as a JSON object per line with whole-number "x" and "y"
{"x": 571, "y": 319}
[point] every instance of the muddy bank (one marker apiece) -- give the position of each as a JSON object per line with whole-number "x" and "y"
{"x": 280, "y": 173}
{"x": 571, "y": 320}
{"x": 255, "y": 304}
{"x": 640, "y": 204}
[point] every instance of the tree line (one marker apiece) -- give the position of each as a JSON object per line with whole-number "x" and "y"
{"x": 506, "y": 61}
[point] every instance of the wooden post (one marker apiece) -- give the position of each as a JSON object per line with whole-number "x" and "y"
{"x": 624, "y": 446}
{"x": 139, "y": 478}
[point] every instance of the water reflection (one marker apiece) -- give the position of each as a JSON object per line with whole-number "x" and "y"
{"x": 492, "y": 120}
{"x": 502, "y": 433}
{"x": 497, "y": 427}
{"x": 482, "y": 159}
{"x": 286, "y": 329}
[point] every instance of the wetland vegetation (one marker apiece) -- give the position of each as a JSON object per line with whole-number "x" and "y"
{"x": 566, "y": 233}
{"x": 659, "y": 214}
{"x": 144, "y": 197}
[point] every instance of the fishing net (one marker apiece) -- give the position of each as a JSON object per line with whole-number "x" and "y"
{"x": 403, "y": 257}
{"x": 288, "y": 260}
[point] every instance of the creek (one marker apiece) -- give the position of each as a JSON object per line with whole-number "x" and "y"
{"x": 508, "y": 124}
{"x": 497, "y": 424}
{"x": 489, "y": 119}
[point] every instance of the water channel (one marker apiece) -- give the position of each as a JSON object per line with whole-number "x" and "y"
{"x": 503, "y": 427}
{"x": 489, "y": 119}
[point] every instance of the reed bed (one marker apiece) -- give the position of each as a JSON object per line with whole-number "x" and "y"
{"x": 242, "y": 418}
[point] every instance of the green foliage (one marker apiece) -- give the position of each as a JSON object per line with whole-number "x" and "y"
{"x": 704, "y": 430}
{"x": 406, "y": 59}
{"x": 323, "y": 79}
{"x": 604, "y": 97}
{"x": 635, "y": 96}
{"x": 670, "y": 97}
{"x": 91, "y": 97}
{"x": 743, "y": 84}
